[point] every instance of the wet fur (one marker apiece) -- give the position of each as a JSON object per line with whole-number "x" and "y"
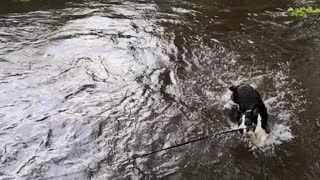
{"x": 250, "y": 104}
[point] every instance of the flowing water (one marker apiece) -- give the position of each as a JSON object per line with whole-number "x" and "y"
{"x": 87, "y": 85}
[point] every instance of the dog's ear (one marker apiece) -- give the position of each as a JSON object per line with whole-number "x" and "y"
{"x": 233, "y": 88}
{"x": 255, "y": 111}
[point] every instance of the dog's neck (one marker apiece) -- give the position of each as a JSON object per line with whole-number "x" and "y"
{"x": 259, "y": 124}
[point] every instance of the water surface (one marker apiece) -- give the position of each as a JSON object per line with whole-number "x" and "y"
{"x": 86, "y": 85}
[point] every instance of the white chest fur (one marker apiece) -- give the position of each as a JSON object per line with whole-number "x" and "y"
{"x": 259, "y": 136}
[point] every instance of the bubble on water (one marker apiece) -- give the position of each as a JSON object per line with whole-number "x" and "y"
{"x": 279, "y": 133}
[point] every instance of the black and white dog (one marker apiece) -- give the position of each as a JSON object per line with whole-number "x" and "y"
{"x": 251, "y": 110}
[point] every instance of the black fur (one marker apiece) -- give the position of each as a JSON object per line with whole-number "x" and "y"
{"x": 249, "y": 103}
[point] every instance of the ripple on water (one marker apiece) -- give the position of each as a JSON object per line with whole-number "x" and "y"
{"x": 105, "y": 85}
{"x": 92, "y": 95}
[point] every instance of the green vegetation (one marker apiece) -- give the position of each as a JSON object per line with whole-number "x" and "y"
{"x": 303, "y": 11}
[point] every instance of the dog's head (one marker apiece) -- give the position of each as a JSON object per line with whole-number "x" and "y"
{"x": 247, "y": 119}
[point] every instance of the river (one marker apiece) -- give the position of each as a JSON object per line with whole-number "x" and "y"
{"x": 87, "y": 85}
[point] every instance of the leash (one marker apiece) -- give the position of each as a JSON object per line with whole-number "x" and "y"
{"x": 154, "y": 152}
{"x": 188, "y": 142}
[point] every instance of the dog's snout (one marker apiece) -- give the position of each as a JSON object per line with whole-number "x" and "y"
{"x": 241, "y": 131}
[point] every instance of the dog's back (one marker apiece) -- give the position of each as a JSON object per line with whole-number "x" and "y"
{"x": 246, "y": 97}
{"x": 249, "y": 99}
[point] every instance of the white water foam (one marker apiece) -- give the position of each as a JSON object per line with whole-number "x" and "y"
{"x": 279, "y": 113}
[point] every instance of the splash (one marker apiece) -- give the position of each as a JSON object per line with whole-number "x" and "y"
{"x": 279, "y": 109}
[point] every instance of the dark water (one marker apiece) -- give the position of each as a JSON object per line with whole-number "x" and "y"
{"x": 85, "y": 85}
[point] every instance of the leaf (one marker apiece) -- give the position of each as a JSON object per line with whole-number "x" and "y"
{"x": 303, "y": 11}
{"x": 290, "y": 9}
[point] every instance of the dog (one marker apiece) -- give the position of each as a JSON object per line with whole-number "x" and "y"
{"x": 251, "y": 112}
